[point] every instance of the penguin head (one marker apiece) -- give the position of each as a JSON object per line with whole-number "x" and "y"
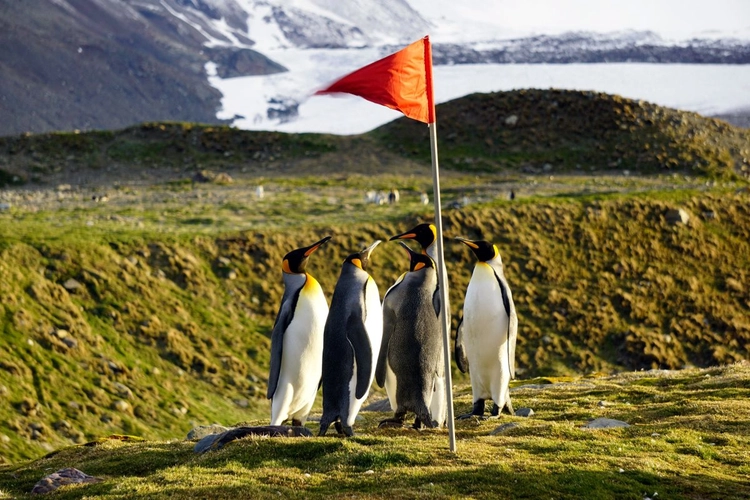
{"x": 362, "y": 259}
{"x": 295, "y": 261}
{"x": 425, "y": 234}
{"x": 484, "y": 250}
{"x": 417, "y": 261}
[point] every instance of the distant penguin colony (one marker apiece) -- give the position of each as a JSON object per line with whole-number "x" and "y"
{"x": 398, "y": 343}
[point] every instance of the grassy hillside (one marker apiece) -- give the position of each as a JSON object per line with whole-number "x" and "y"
{"x": 529, "y": 130}
{"x": 136, "y": 300}
{"x": 688, "y": 438}
{"x": 159, "y": 332}
{"x": 573, "y": 131}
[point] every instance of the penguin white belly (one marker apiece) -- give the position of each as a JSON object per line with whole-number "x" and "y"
{"x": 485, "y": 329}
{"x": 302, "y": 356}
{"x": 374, "y": 329}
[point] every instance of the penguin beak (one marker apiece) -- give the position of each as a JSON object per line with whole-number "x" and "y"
{"x": 404, "y": 236}
{"x": 466, "y": 242}
{"x": 409, "y": 251}
{"x": 315, "y": 246}
{"x": 364, "y": 255}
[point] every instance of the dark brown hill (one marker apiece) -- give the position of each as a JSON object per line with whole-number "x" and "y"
{"x": 545, "y": 130}
{"x": 81, "y": 65}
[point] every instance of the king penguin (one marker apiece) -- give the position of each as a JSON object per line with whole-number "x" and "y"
{"x": 351, "y": 343}
{"x": 486, "y": 336}
{"x": 297, "y": 341}
{"x": 426, "y": 235}
{"x": 410, "y": 363}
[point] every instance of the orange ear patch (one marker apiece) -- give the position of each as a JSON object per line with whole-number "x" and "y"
{"x": 419, "y": 266}
{"x": 357, "y": 263}
{"x": 285, "y": 267}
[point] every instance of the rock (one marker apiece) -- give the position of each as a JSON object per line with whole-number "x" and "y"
{"x": 4, "y": 207}
{"x": 4, "y": 439}
{"x": 3, "y": 390}
{"x": 524, "y": 412}
{"x": 217, "y": 441}
{"x": 61, "y": 478}
{"x": 504, "y": 428}
{"x": 232, "y": 275}
{"x": 204, "y": 176}
{"x": 530, "y": 386}
{"x": 242, "y": 402}
{"x": 121, "y": 406}
{"x": 223, "y": 178}
{"x": 677, "y": 216}
{"x": 205, "y": 430}
{"x": 224, "y": 262}
{"x": 605, "y": 423}
{"x": 70, "y": 342}
{"x": 382, "y": 405}
{"x": 734, "y": 285}
{"x": 123, "y": 390}
{"x": 72, "y": 285}
{"x": 511, "y": 120}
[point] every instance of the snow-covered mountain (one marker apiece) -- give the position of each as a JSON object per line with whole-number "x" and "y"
{"x": 110, "y": 63}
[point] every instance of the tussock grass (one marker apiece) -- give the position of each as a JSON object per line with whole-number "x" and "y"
{"x": 686, "y": 441}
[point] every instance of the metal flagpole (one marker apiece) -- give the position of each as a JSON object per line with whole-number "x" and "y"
{"x": 443, "y": 279}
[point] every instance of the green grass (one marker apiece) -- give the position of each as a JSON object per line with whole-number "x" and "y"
{"x": 688, "y": 439}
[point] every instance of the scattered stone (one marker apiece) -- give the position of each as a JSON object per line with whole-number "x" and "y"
{"x": 72, "y": 285}
{"x": 3, "y": 390}
{"x": 217, "y": 441}
{"x": 205, "y": 430}
{"x": 382, "y": 405}
{"x": 677, "y": 216}
{"x": 734, "y": 285}
{"x": 121, "y": 406}
{"x": 504, "y": 428}
{"x": 524, "y": 412}
{"x": 242, "y": 402}
{"x": 224, "y": 262}
{"x": 70, "y": 342}
{"x": 4, "y": 439}
{"x": 232, "y": 275}
{"x": 4, "y": 207}
{"x": 61, "y": 478}
{"x": 530, "y": 386}
{"x": 605, "y": 423}
{"x": 511, "y": 120}
{"x": 123, "y": 390}
{"x": 602, "y": 404}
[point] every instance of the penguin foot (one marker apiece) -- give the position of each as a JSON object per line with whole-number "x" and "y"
{"x": 347, "y": 431}
{"x": 337, "y": 425}
{"x": 495, "y": 411}
{"x": 391, "y": 423}
{"x": 296, "y": 423}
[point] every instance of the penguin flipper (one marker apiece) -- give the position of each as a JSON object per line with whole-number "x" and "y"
{"x": 510, "y": 310}
{"x": 436, "y": 300}
{"x": 358, "y": 339}
{"x": 459, "y": 353}
{"x": 283, "y": 319}
{"x": 512, "y": 337}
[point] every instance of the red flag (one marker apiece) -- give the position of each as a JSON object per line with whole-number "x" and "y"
{"x": 400, "y": 81}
